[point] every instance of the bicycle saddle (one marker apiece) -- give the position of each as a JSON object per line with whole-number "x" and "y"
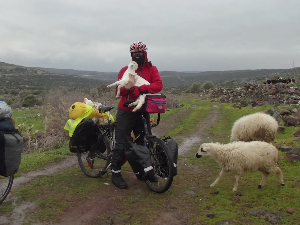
{"x": 104, "y": 108}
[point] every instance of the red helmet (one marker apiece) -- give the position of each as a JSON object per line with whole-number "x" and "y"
{"x": 138, "y": 47}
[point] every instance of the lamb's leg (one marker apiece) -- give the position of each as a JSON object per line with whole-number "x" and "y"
{"x": 264, "y": 179}
{"x": 113, "y": 84}
{"x": 134, "y": 103}
{"x": 279, "y": 175}
{"x": 237, "y": 177}
{"x": 218, "y": 178}
{"x": 141, "y": 101}
{"x": 118, "y": 90}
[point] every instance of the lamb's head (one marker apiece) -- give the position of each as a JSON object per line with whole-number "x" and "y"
{"x": 133, "y": 65}
{"x": 203, "y": 150}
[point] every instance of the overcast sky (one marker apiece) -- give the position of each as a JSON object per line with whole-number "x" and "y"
{"x": 190, "y": 35}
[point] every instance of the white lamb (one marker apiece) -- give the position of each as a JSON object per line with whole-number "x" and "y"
{"x": 254, "y": 127}
{"x": 243, "y": 156}
{"x": 139, "y": 81}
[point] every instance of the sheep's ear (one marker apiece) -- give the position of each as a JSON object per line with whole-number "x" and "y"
{"x": 203, "y": 149}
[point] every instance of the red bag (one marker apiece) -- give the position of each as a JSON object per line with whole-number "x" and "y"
{"x": 155, "y": 103}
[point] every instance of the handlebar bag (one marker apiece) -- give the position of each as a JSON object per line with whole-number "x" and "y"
{"x": 11, "y": 147}
{"x": 138, "y": 157}
{"x": 154, "y": 103}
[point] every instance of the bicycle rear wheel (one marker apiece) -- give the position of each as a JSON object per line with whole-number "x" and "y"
{"x": 5, "y": 186}
{"x": 95, "y": 164}
{"x": 162, "y": 162}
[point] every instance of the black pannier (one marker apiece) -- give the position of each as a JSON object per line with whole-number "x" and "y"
{"x": 173, "y": 147}
{"x": 138, "y": 157}
{"x": 11, "y": 147}
{"x": 87, "y": 137}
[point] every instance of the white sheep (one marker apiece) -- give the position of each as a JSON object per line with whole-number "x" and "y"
{"x": 240, "y": 157}
{"x": 132, "y": 67}
{"x": 139, "y": 81}
{"x": 254, "y": 127}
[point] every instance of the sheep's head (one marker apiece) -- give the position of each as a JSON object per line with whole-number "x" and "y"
{"x": 203, "y": 150}
{"x": 133, "y": 65}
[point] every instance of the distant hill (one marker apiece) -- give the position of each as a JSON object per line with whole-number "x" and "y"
{"x": 170, "y": 78}
{"x": 175, "y": 78}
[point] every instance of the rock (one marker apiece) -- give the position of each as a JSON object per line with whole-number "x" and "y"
{"x": 281, "y": 128}
{"x": 285, "y": 112}
{"x": 290, "y": 210}
{"x": 224, "y": 222}
{"x": 297, "y": 133}
{"x": 294, "y": 151}
{"x": 285, "y": 148}
{"x": 210, "y": 215}
{"x": 290, "y": 120}
{"x": 291, "y": 157}
{"x": 189, "y": 192}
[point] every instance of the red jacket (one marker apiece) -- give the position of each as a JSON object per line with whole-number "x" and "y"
{"x": 149, "y": 73}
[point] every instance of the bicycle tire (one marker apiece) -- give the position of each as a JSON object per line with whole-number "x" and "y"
{"x": 5, "y": 186}
{"x": 162, "y": 162}
{"x": 95, "y": 164}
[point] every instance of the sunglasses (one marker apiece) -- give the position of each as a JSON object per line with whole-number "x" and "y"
{"x": 134, "y": 54}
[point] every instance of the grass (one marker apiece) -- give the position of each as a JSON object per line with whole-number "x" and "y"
{"x": 194, "y": 111}
{"x": 62, "y": 189}
{"x": 29, "y": 117}
{"x": 189, "y": 199}
{"x": 36, "y": 160}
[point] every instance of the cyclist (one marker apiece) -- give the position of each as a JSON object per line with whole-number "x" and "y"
{"x": 127, "y": 120}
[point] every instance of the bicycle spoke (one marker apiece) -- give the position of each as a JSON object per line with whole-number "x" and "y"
{"x": 162, "y": 165}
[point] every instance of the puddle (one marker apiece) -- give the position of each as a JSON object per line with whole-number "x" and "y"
{"x": 189, "y": 142}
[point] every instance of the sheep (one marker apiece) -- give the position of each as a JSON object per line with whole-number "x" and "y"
{"x": 139, "y": 81}
{"x": 242, "y": 156}
{"x": 254, "y": 127}
{"x": 132, "y": 67}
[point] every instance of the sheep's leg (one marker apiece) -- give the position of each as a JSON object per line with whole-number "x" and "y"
{"x": 141, "y": 101}
{"x": 113, "y": 84}
{"x": 237, "y": 177}
{"x": 218, "y": 178}
{"x": 134, "y": 103}
{"x": 118, "y": 90}
{"x": 279, "y": 175}
{"x": 264, "y": 179}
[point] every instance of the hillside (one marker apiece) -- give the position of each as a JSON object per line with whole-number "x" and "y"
{"x": 176, "y": 78}
{"x": 15, "y": 78}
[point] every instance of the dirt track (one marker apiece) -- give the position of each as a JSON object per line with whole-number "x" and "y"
{"x": 84, "y": 212}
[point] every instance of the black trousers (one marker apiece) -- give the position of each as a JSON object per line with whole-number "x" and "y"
{"x": 125, "y": 123}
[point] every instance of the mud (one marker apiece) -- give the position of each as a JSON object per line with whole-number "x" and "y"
{"x": 191, "y": 141}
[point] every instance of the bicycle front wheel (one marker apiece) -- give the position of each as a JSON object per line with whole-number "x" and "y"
{"x": 95, "y": 164}
{"x": 5, "y": 186}
{"x": 162, "y": 162}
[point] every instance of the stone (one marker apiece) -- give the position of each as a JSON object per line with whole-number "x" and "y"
{"x": 290, "y": 210}
{"x": 210, "y": 215}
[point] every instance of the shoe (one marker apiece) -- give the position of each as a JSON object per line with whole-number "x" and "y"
{"x": 118, "y": 181}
